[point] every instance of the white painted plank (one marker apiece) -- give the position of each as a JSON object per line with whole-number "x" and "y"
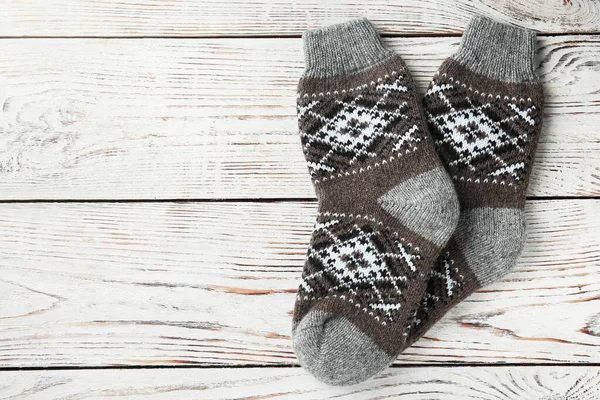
{"x": 124, "y": 18}
{"x": 205, "y": 119}
{"x": 432, "y": 383}
{"x": 84, "y": 284}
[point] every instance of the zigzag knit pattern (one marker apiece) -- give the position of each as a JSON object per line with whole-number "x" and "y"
{"x": 342, "y": 130}
{"x": 481, "y": 138}
{"x": 444, "y": 284}
{"x": 363, "y": 265}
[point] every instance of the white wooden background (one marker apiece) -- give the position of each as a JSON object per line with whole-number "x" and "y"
{"x": 155, "y": 206}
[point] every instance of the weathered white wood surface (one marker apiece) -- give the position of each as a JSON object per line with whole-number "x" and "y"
{"x": 89, "y": 284}
{"x": 205, "y": 119}
{"x": 432, "y": 383}
{"x": 124, "y": 18}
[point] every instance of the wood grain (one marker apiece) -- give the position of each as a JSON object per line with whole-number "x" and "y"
{"x": 432, "y": 383}
{"x": 211, "y": 18}
{"x": 91, "y": 284}
{"x": 211, "y": 119}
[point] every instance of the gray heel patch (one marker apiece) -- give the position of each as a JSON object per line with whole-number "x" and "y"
{"x": 491, "y": 240}
{"x": 426, "y": 204}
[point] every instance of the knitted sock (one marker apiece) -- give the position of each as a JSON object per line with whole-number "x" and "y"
{"x": 484, "y": 109}
{"x": 386, "y": 204}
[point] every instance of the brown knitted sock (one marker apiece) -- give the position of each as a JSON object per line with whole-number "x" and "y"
{"x": 484, "y": 109}
{"x": 386, "y": 205}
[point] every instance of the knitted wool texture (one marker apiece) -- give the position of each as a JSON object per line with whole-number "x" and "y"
{"x": 386, "y": 205}
{"x": 484, "y": 109}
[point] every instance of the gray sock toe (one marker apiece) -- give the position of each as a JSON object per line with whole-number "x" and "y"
{"x": 335, "y": 351}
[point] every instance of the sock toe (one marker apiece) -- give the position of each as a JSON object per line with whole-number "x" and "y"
{"x": 335, "y": 351}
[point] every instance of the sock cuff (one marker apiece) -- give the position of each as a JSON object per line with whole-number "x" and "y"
{"x": 498, "y": 51}
{"x": 343, "y": 49}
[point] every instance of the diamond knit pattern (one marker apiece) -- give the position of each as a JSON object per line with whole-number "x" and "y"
{"x": 369, "y": 267}
{"x": 444, "y": 284}
{"x": 481, "y": 138}
{"x": 352, "y": 128}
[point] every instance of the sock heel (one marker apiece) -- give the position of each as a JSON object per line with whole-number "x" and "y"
{"x": 491, "y": 239}
{"x": 426, "y": 204}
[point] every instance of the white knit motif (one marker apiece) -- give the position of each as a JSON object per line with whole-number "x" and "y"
{"x": 486, "y": 138}
{"x": 358, "y": 261}
{"x": 343, "y": 131}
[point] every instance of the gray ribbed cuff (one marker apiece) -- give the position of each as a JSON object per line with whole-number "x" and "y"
{"x": 343, "y": 49}
{"x": 498, "y": 51}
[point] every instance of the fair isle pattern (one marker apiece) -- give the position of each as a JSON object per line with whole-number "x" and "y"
{"x": 349, "y": 131}
{"x": 445, "y": 282}
{"x": 481, "y": 138}
{"x": 350, "y": 258}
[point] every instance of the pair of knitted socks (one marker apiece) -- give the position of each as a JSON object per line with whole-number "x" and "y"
{"x": 420, "y": 202}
